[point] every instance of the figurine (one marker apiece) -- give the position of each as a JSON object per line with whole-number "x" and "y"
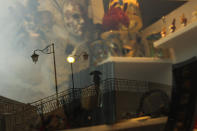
{"x": 172, "y": 27}
{"x": 183, "y": 20}
{"x": 163, "y": 32}
{"x": 164, "y": 19}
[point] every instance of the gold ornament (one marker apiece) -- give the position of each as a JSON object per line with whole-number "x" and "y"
{"x": 163, "y": 32}
{"x": 121, "y": 3}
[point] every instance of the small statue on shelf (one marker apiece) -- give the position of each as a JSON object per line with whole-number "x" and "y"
{"x": 183, "y": 20}
{"x": 163, "y": 31}
{"x": 164, "y": 19}
{"x": 172, "y": 27}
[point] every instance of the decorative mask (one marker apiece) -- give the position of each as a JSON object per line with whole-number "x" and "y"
{"x": 73, "y": 19}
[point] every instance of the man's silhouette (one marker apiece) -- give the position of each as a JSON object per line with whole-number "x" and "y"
{"x": 96, "y": 79}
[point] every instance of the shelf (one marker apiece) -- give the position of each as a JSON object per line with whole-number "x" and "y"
{"x": 130, "y": 68}
{"x": 185, "y": 35}
{"x": 136, "y": 60}
{"x": 140, "y": 68}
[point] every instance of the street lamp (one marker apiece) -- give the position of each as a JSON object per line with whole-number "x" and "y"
{"x": 72, "y": 59}
{"x": 47, "y": 51}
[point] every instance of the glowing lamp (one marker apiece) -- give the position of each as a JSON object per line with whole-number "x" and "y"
{"x": 71, "y": 59}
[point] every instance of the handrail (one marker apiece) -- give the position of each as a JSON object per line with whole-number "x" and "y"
{"x": 107, "y": 85}
{"x": 65, "y": 91}
{"x": 48, "y": 97}
{"x": 68, "y": 92}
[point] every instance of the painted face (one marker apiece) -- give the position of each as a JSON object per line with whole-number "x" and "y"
{"x": 73, "y": 19}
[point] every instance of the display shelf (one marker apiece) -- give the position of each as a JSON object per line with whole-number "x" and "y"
{"x": 182, "y": 42}
{"x": 141, "y": 68}
{"x": 185, "y": 35}
{"x": 136, "y": 60}
{"x": 130, "y": 68}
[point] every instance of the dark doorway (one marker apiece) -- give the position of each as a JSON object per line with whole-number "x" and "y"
{"x": 183, "y": 101}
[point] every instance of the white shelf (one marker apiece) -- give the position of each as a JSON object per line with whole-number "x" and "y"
{"x": 140, "y": 68}
{"x": 183, "y": 43}
{"x": 136, "y": 60}
{"x": 185, "y": 35}
{"x": 130, "y": 68}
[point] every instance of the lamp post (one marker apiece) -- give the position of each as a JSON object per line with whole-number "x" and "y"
{"x": 47, "y": 51}
{"x": 71, "y": 60}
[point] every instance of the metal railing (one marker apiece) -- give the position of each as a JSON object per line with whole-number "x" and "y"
{"x": 49, "y": 104}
